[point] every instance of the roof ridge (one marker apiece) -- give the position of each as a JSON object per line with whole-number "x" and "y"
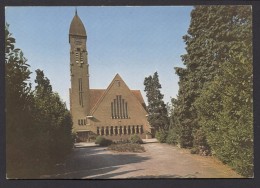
{"x": 104, "y": 94}
{"x": 107, "y": 90}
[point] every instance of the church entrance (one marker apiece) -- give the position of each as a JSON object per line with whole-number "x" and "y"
{"x": 85, "y": 136}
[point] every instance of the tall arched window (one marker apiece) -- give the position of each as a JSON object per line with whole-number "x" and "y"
{"x": 119, "y": 108}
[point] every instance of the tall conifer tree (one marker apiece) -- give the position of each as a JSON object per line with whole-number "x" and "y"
{"x": 215, "y": 88}
{"x": 38, "y": 124}
{"x": 157, "y": 111}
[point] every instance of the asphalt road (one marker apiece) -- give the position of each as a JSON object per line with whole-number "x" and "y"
{"x": 159, "y": 161}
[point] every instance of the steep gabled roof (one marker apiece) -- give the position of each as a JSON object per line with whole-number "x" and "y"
{"x": 138, "y": 95}
{"x": 97, "y": 95}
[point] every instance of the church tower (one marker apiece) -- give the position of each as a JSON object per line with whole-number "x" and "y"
{"x": 79, "y": 72}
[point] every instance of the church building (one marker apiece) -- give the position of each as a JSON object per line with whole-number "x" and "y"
{"x": 116, "y": 112}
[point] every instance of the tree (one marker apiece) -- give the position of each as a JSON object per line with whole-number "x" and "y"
{"x": 225, "y": 108}
{"x": 157, "y": 111}
{"x": 184, "y": 115}
{"x": 215, "y": 87}
{"x": 53, "y": 119}
{"x": 38, "y": 124}
{"x": 19, "y": 100}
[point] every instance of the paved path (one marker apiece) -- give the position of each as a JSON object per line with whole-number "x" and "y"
{"x": 159, "y": 161}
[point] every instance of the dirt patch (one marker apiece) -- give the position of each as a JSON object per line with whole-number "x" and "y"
{"x": 159, "y": 161}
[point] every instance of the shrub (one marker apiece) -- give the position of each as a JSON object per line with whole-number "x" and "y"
{"x": 200, "y": 143}
{"x": 172, "y": 137}
{"x": 194, "y": 151}
{"x": 135, "y": 139}
{"x": 122, "y": 141}
{"x": 98, "y": 139}
{"x": 38, "y": 124}
{"x": 103, "y": 141}
{"x": 127, "y": 147}
{"x": 74, "y": 137}
{"x": 161, "y": 136}
{"x": 92, "y": 138}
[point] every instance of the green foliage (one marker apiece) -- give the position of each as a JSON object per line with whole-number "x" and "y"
{"x": 229, "y": 128}
{"x": 99, "y": 139}
{"x": 103, "y": 141}
{"x": 127, "y": 147}
{"x": 161, "y": 136}
{"x": 194, "y": 151}
{"x": 213, "y": 34}
{"x": 135, "y": 139}
{"x": 214, "y": 104}
{"x": 225, "y": 108}
{"x": 172, "y": 137}
{"x": 157, "y": 110}
{"x": 53, "y": 119}
{"x": 38, "y": 125}
{"x": 200, "y": 143}
{"x": 18, "y": 101}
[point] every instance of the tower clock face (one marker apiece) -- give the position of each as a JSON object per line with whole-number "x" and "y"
{"x": 78, "y": 42}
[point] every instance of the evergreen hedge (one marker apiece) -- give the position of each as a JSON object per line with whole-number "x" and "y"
{"x": 161, "y": 136}
{"x": 38, "y": 124}
{"x": 214, "y": 108}
{"x": 103, "y": 141}
{"x": 135, "y": 139}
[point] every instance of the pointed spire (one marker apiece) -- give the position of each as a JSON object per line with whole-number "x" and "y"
{"x": 76, "y": 26}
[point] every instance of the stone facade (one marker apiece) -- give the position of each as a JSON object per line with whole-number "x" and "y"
{"x": 116, "y": 112}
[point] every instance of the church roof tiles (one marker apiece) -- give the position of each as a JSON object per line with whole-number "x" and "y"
{"x": 95, "y": 95}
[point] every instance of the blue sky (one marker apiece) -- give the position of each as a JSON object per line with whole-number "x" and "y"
{"x": 132, "y": 41}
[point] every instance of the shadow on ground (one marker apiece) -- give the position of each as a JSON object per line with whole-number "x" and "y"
{"x": 94, "y": 163}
